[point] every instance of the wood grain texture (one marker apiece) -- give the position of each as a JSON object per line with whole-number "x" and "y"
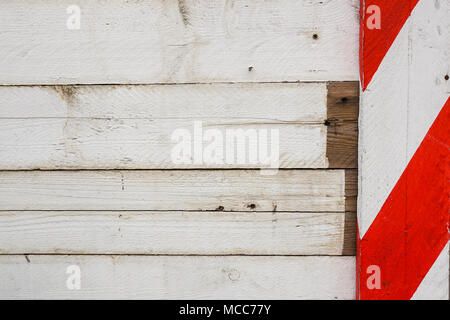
{"x": 351, "y": 190}
{"x": 132, "y": 127}
{"x": 342, "y": 144}
{"x": 342, "y": 124}
{"x": 155, "y": 41}
{"x": 224, "y": 190}
{"x": 108, "y": 98}
{"x": 190, "y": 233}
{"x": 343, "y": 101}
{"x": 239, "y": 103}
{"x": 350, "y": 234}
{"x": 176, "y": 277}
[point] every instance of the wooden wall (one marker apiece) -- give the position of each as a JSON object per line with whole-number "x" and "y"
{"x": 86, "y": 179}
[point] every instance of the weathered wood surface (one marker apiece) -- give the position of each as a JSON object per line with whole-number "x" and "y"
{"x": 178, "y": 277}
{"x": 351, "y": 190}
{"x": 97, "y": 108}
{"x": 239, "y": 103}
{"x": 131, "y": 127}
{"x": 224, "y": 190}
{"x": 342, "y": 124}
{"x": 166, "y": 232}
{"x": 155, "y": 41}
{"x": 343, "y": 101}
{"x": 404, "y": 139}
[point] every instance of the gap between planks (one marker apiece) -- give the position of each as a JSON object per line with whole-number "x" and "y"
{"x": 118, "y": 84}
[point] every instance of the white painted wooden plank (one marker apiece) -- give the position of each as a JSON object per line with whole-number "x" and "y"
{"x": 178, "y": 277}
{"x": 237, "y": 102}
{"x": 147, "y": 144}
{"x": 234, "y": 190}
{"x": 155, "y": 41}
{"x": 131, "y": 127}
{"x": 143, "y": 232}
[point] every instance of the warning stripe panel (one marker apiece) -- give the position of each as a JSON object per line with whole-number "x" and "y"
{"x": 410, "y": 231}
{"x": 404, "y": 152}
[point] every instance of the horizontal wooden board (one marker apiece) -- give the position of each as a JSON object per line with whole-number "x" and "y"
{"x": 132, "y": 127}
{"x": 156, "y": 232}
{"x": 178, "y": 277}
{"x": 147, "y": 144}
{"x": 239, "y": 103}
{"x": 222, "y": 190}
{"x": 156, "y": 41}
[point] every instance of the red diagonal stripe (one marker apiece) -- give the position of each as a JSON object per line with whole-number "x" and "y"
{"x": 410, "y": 230}
{"x": 374, "y": 44}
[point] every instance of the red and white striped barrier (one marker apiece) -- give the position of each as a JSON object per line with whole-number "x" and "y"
{"x": 403, "y": 202}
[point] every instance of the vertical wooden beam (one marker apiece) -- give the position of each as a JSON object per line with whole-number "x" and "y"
{"x": 342, "y": 123}
{"x": 405, "y": 108}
